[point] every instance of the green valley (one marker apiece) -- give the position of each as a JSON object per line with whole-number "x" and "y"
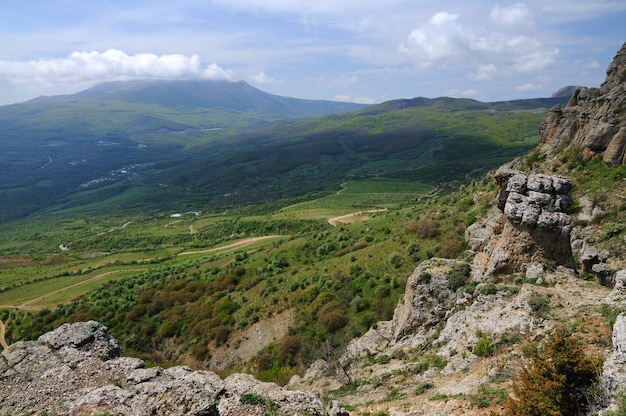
{"x": 183, "y": 237}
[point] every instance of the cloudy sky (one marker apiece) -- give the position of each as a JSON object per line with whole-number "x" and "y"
{"x": 354, "y": 50}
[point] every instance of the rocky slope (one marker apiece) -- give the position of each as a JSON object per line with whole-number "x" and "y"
{"x": 77, "y": 370}
{"x": 464, "y": 345}
{"x": 594, "y": 121}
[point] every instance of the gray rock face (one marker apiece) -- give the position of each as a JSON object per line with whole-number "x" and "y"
{"x": 614, "y": 374}
{"x": 77, "y": 370}
{"x": 536, "y": 205}
{"x": 594, "y": 121}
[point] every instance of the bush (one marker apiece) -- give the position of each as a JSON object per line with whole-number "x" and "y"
{"x": 458, "y": 276}
{"x": 425, "y": 228}
{"x": 557, "y": 380}
{"x": 539, "y": 305}
{"x": 288, "y": 350}
{"x": 421, "y": 388}
{"x": 483, "y": 347}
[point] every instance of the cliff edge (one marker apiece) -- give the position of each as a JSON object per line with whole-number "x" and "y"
{"x": 593, "y": 123}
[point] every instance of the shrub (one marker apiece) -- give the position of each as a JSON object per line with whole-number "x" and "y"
{"x": 539, "y": 305}
{"x": 422, "y": 387}
{"x": 458, "y": 276}
{"x": 395, "y": 259}
{"x": 425, "y": 228}
{"x": 556, "y": 381}
{"x": 332, "y": 320}
{"x": 288, "y": 349}
{"x": 487, "y": 396}
{"x": 452, "y": 246}
{"x": 483, "y": 347}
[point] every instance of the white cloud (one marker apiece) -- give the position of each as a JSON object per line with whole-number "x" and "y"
{"x": 536, "y": 61}
{"x": 111, "y": 65}
{"x": 442, "y": 18}
{"x": 485, "y": 72}
{"x": 528, "y": 87}
{"x": 515, "y": 15}
{"x": 446, "y": 41}
{"x": 462, "y": 93}
{"x": 360, "y": 99}
{"x": 262, "y": 79}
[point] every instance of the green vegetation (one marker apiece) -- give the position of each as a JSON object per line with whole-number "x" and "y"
{"x": 487, "y": 396}
{"x": 484, "y": 347}
{"x": 150, "y": 150}
{"x": 173, "y": 289}
{"x": 557, "y": 380}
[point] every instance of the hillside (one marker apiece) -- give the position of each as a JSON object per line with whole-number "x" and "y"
{"x": 67, "y": 145}
{"x": 148, "y": 146}
{"x": 503, "y": 295}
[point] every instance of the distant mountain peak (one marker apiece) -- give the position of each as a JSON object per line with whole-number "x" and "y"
{"x": 565, "y": 91}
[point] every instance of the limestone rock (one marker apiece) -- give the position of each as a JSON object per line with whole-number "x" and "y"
{"x": 614, "y": 374}
{"x": 594, "y": 121}
{"x": 76, "y": 370}
{"x": 529, "y": 224}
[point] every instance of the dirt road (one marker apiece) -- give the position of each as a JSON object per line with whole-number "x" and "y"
{"x": 345, "y": 219}
{"x": 25, "y": 305}
{"x": 236, "y": 244}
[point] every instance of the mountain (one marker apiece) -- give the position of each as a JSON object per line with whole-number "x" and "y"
{"x": 195, "y": 94}
{"x": 565, "y": 91}
{"x": 155, "y": 145}
{"x": 54, "y": 147}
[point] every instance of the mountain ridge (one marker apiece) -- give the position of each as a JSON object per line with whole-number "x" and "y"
{"x": 63, "y": 146}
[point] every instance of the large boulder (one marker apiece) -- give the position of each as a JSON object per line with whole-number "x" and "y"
{"x": 76, "y": 370}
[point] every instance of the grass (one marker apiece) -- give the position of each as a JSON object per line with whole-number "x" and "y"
{"x": 51, "y": 292}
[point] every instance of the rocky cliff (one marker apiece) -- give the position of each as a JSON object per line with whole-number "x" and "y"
{"x": 77, "y": 370}
{"x": 593, "y": 123}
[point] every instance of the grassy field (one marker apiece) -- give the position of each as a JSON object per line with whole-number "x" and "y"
{"x": 100, "y": 249}
{"x": 47, "y": 294}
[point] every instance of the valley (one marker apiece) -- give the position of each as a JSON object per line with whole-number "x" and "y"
{"x": 374, "y": 257}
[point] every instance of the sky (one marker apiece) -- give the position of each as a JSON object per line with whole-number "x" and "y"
{"x": 365, "y": 51}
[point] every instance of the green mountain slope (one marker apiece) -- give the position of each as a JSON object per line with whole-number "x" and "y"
{"x": 213, "y": 145}
{"x": 54, "y": 147}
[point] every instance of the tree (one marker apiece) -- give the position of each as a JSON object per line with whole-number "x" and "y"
{"x": 557, "y": 380}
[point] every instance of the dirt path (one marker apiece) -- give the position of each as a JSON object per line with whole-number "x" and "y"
{"x": 25, "y": 305}
{"x": 3, "y": 341}
{"x": 349, "y": 217}
{"x": 236, "y": 244}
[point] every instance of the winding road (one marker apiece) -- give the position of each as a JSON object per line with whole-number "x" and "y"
{"x": 348, "y": 217}
{"x": 236, "y": 244}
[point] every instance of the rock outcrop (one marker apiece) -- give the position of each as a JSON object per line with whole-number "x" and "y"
{"x": 614, "y": 373}
{"x": 593, "y": 123}
{"x": 77, "y": 370}
{"x": 529, "y": 226}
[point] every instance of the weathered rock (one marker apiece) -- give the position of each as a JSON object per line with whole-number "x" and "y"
{"x": 594, "y": 121}
{"x": 335, "y": 410}
{"x": 614, "y": 374}
{"x": 536, "y": 204}
{"x": 70, "y": 371}
{"x": 426, "y": 302}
